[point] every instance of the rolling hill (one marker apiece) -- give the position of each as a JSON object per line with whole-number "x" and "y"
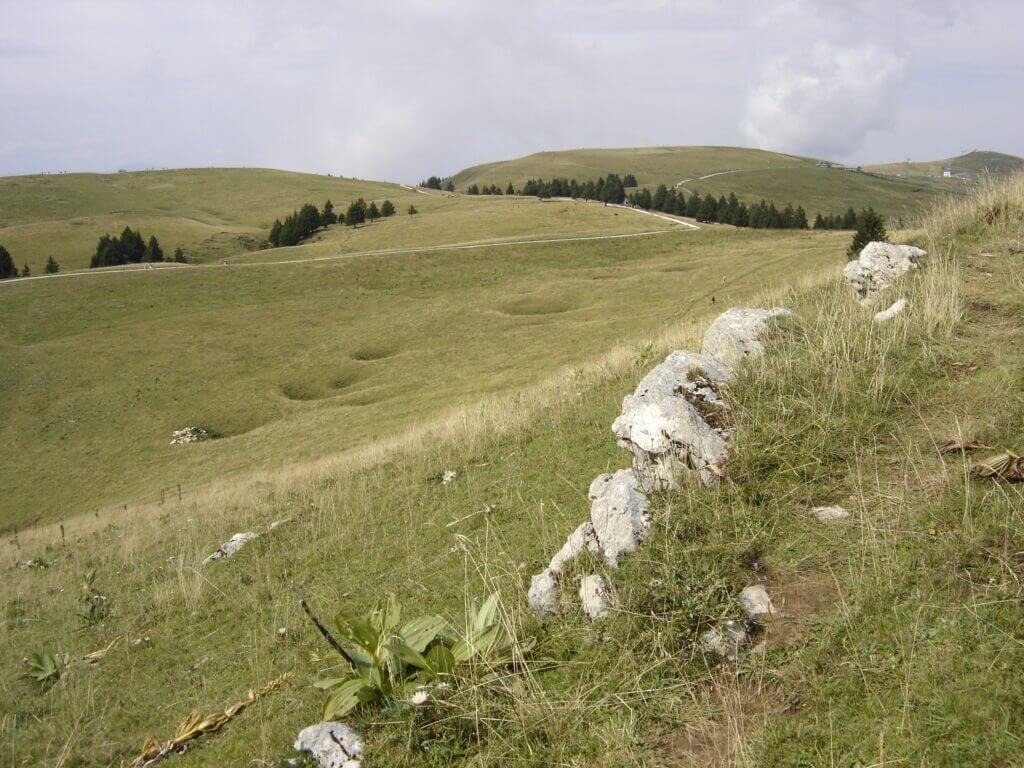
{"x": 211, "y": 213}
{"x": 752, "y": 174}
{"x": 976, "y": 162}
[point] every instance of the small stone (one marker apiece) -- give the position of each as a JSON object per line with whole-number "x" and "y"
{"x": 594, "y": 596}
{"x": 189, "y": 435}
{"x": 448, "y": 476}
{"x": 278, "y": 524}
{"x": 543, "y": 595}
{"x": 755, "y": 602}
{"x": 230, "y": 547}
{"x": 282, "y": 632}
{"x": 332, "y": 745}
{"x": 891, "y": 312}
{"x": 828, "y": 514}
{"x": 725, "y": 641}
{"x": 618, "y": 512}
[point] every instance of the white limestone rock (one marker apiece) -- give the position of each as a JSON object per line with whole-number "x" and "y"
{"x": 618, "y": 514}
{"x": 543, "y": 595}
{"x": 878, "y": 266}
{"x": 828, "y": 514}
{"x": 891, "y": 312}
{"x": 674, "y": 423}
{"x": 583, "y": 538}
{"x": 755, "y": 602}
{"x": 725, "y": 640}
{"x": 594, "y": 596}
{"x": 189, "y": 435}
{"x": 738, "y": 333}
{"x": 230, "y": 547}
{"x": 332, "y": 745}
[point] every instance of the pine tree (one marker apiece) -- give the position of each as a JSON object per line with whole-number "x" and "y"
{"x": 275, "y": 233}
{"x": 356, "y": 213}
{"x": 707, "y": 212}
{"x": 387, "y": 208}
{"x": 849, "y": 219}
{"x": 870, "y": 229}
{"x": 449, "y": 186}
{"x": 629, "y": 180}
{"x": 179, "y": 256}
{"x": 52, "y": 267}
{"x": 25, "y": 271}
{"x": 510, "y": 190}
{"x": 658, "y": 199}
{"x": 328, "y": 216}
{"x": 412, "y": 210}
{"x": 372, "y": 213}
{"x": 800, "y": 220}
{"x": 819, "y": 223}
{"x": 153, "y": 250}
{"x": 693, "y": 205}
{"x": 133, "y": 247}
{"x": 7, "y": 268}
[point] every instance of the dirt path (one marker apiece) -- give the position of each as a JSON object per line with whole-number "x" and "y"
{"x": 679, "y": 184}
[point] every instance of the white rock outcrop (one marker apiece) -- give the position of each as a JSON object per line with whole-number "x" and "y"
{"x": 543, "y": 595}
{"x": 891, "y": 312}
{"x": 738, "y": 333}
{"x": 725, "y": 640}
{"x": 332, "y": 745}
{"x": 674, "y": 422}
{"x": 755, "y": 602}
{"x": 189, "y": 435}
{"x": 583, "y": 538}
{"x": 828, "y": 514}
{"x": 230, "y": 547}
{"x": 618, "y": 514}
{"x": 594, "y": 597}
{"x": 878, "y": 266}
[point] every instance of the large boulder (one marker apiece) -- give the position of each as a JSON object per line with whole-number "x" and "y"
{"x": 618, "y": 514}
{"x": 738, "y": 333}
{"x": 878, "y": 266}
{"x": 674, "y": 423}
{"x": 332, "y": 745}
{"x": 583, "y": 538}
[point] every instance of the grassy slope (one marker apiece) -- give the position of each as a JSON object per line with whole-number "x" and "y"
{"x": 769, "y": 175}
{"x": 978, "y": 161}
{"x": 900, "y": 630}
{"x": 97, "y": 371}
{"x": 209, "y": 212}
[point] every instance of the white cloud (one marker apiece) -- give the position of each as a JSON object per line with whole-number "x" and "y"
{"x": 824, "y": 103}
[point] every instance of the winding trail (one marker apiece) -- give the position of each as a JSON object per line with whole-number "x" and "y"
{"x": 679, "y": 184}
{"x": 152, "y": 269}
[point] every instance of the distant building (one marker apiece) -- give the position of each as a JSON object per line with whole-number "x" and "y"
{"x": 947, "y": 172}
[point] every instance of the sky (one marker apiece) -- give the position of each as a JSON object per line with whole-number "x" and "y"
{"x": 403, "y": 90}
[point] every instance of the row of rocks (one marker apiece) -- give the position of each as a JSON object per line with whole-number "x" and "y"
{"x": 676, "y": 428}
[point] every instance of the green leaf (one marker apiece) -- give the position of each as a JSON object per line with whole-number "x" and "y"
{"x": 392, "y": 615}
{"x": 349, "y": 695}
{"x": 421, "y": 632}
{"x": 359, "y": 629}
{"x": 407, "y": 654}
{"x": 486, "y": 616}
{"x": 441, "y": 660}
{"x": 327, "y": 683}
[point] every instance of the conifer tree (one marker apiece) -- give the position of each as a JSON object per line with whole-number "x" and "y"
{"x": 275, "y": 233}
{"x": 658, "y": 199}
{"x": 328, "y": 216}
{"x": 510, "y": 190}
{"x": 153, "y": 250}
{"x": 7, "y": 268}
{"x": 387, "y": 208}
{"x": 412, "y": 210}
{"x": 800, "y": 219}
{"x": 356, "y": 213}
{"x": 870, "y": 228}
{"x": 52, "y": 267}
{"x": 819, "y": 222}
{"x": 849, "y": 219}
{"x": 449, "y": 186}
{"x": 25, "y": 271}
{"x": 179, "y": 256}
{"x": 372, "y": 213}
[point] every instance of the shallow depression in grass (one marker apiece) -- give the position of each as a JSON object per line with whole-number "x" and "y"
{"x": 535, "y": 305}
{"x": 371, "y": 352}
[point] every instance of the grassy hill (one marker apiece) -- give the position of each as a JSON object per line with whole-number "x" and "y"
{"x": 211, "y": 213}
{"x": 976, "y": 162}
{"x": 751, "y": 173}
{"x": 289, "y": 363}
{"x": 898, "y": 630}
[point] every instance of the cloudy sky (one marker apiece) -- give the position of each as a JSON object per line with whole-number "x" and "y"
{"x": 401, "y": 90}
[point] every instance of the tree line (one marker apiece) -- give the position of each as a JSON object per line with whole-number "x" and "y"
{"x": 436, "y": 182}
{"x": 9, "y": 270}
{"x": 308, "y": 219}
{"x": 129, "y": 248}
